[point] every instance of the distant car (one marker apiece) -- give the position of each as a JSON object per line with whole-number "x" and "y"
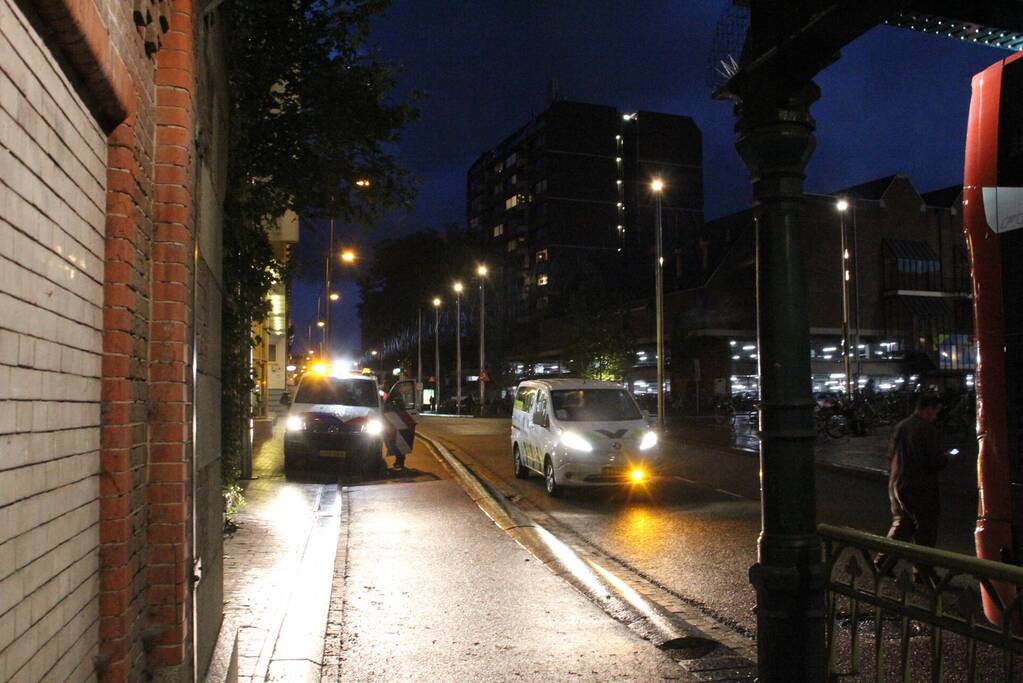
{"x": 581, "y": 433}
{"x": 335, "y": 418}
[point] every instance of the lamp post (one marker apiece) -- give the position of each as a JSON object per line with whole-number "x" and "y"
{"x": 418, "y": 393}
{"x": 458, "y": 347}
{"x": 842, "y": 205}
{"x": 657, "y": 187}
{"x": 377, "y": 354}
{"x": 436, "y": 354}
{"x": 326, "y": 287}
{"x": 481, "y": 270}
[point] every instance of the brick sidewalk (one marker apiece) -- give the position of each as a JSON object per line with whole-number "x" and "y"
{"x": 263, "y": 563}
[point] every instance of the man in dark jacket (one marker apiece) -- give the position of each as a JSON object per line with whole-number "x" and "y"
{"x": 916, "y": 460}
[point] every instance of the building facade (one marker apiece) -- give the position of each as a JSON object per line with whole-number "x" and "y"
{"x": 910, "y": 307}
{"x": 112, "y": 169}
{"x": 909, "y": 293}
{"x": 563, "y": 213}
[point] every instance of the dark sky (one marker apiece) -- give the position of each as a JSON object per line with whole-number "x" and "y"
{"x": 896, "y": 101}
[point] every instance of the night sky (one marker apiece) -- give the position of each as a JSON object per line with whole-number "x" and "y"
{"x": 896, "y": 101}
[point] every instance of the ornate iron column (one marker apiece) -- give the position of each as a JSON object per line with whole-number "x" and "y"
{"x": 774, "y": 136}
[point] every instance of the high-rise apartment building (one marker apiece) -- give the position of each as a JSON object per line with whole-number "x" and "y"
{"x": 563, "y": 211}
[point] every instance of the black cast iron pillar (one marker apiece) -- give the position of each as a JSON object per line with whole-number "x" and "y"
{"x": 774, "y": 136}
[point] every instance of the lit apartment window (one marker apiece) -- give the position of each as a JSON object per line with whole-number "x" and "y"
{"x": 542, "y": 280}
{"x": 511, "y": 202}
{"x": 498, "y": 229}
{"x": 512, "y": 244}
{"x": 541, "y": 255}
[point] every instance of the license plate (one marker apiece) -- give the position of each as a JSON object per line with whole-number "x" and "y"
{"x": 615, "y": 471}
{"x": 332, "y": 454}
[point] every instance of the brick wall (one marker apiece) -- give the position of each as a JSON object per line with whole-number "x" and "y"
{"x": 97, "y": 194}
{"x": 52, "y": 204}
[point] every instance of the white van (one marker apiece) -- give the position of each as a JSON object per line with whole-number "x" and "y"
{"x": 579, "y": 432}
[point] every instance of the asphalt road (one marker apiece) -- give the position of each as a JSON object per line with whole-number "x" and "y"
{"x": 695, "y": 532}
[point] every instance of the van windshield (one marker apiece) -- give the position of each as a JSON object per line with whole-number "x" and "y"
{"x": 594, "y": 405}
{"x": 336, "y": 391}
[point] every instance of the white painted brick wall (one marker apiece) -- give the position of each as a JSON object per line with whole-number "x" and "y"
{"x": 52, "y": 204}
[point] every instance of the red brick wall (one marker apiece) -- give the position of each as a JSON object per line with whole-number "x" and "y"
{"x": 170, "y": 330}
{"x": 145, "y": 102}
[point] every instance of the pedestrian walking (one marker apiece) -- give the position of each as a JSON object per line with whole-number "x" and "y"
{"x": 916, "y": 459}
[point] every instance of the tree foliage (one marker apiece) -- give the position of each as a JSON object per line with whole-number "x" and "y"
{"x": 604, "y": 346}
{"x": 404, "y": 275}
{"x": 309, "y": 116}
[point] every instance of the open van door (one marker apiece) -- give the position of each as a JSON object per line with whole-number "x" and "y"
{"x": 410, "y": 393}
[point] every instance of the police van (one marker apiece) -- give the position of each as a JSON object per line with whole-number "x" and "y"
{"x": 577, "y": 432}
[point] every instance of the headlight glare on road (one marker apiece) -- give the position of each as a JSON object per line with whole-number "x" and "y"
{"x": 295, "y": 423}
{"x": 575, "y": 442}
{"x": 648, "y": 441}
{"x": 374, "y": 427}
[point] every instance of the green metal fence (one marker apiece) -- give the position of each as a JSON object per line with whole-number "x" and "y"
{"x": 920, "y": 614}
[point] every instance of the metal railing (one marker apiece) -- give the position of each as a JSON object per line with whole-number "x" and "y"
{"x": 921, "y": 609}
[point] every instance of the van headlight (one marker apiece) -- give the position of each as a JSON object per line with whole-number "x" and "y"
{"x": 575, "y": 442}
{"x": 648, "y": 441}
{"x": 295, "y": 423}
{"x": 373, "y": 427}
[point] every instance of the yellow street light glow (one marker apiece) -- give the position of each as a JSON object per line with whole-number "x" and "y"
{"x": 320, "y": 323}
{"x": 362, "y": 182}
{"x": 657, "y": 185}
{"x": 481, "y": 271}
{"x": 436, "y": 302}
{"x": 637, "y": 474}
{"x": 458, "y": 287}
{"x": 319, "y": 369}
{"x": 841, "y": 205}
{"x": 348, "y": 256}
{"x": 373, "y": 352}
{"x": 334, "y": 296}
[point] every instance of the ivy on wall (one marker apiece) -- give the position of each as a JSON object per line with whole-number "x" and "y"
{"x": 311, "y": 112}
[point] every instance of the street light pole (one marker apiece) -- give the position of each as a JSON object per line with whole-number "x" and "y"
{"x": 326, "y": 285}
{"x": 419, "y": 359}
{"x": 658, "y": 187}
{"x": 436, "y": 354}
{"x": 842, "y": 205}
{"x": 458, "y": 348}
{"x": 482, "y": 272}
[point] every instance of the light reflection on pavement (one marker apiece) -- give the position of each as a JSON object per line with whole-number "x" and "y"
{"x": 694, "y": 533}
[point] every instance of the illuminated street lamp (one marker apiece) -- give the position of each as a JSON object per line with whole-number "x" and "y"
{"x": 362, "y": 182}
{"x": 320, "y": 323}
{"x": 348, "y": 256}
{"x": 657, "y": 187}
{"x": 842, "y": 206}
{"x": 334, "y": 296}
{"x": 458, "y": 347}
{"x": 436, "y": 353}
{"x": 481, "y": 271}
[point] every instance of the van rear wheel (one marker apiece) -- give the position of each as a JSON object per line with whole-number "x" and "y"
{"x": 521, "y": 471}
{"x": 550, "y": 482}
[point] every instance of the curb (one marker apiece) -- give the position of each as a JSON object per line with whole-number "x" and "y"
{"x": 648, "y": 619}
